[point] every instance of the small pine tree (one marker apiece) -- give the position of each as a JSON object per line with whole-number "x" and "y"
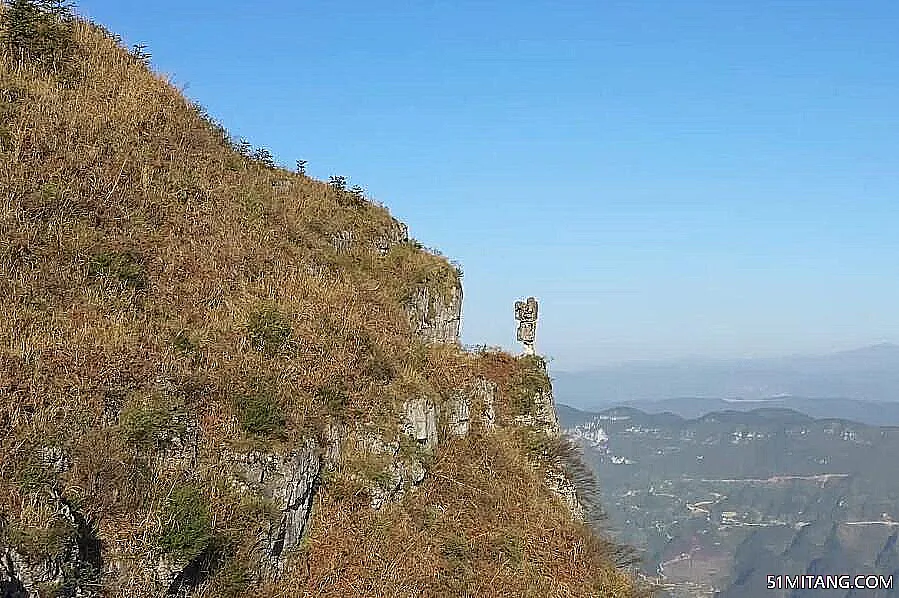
{"x": 243, "y": 147}
{"x": 264, "y": 157}
{"x": 338, "y": 182}
{"x": 139, "y": 51}
{"x": 39, "y": 31}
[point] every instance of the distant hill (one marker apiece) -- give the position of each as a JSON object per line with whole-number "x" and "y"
{"x": 866, "y": 412}
{"x": 717, "y": 503}
{"x": 865, "y": 374}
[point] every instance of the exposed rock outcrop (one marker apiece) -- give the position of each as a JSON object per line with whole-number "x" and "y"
{"x": 459, "y": 413}
{"x": 65, "y": 559}
{"x": 400, "y": 473}
{"x": 396, "y": 234}
{"x": 179, "y": 576}
{"x": 544, "y": 420}
{"x": 421, "y": 422}
{"x": 559, "y": 483}
{"x": 343, "y": 241}
{"x": 543, "y": 415}
{"x": 483, "y": 393}
{"x": 289, "y": 482}
{"x": 436, "y": 318}
{"x": 478, "y": 396}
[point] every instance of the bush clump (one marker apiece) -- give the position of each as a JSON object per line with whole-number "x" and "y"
{"x": 42, "y": 543}
{"x": 153, "y": 423}
{"x": 187, "y": 526}
{"x": 124, "y": 267}
{"x": 34, "y": 474}
{"x": 268, "y": 330}
{"x": 232, "y": 580}
{"x": 39, "y": 31}
{"x": 183, "y": 343}
{"x": 260, "y": 414}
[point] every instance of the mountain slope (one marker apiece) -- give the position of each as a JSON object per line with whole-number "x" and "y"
{"x": 220, "y": 378}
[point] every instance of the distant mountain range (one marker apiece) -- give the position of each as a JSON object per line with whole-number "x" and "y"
{"x": 843, "y": 384}
{"x": 866, "y": 412}
{"x": 717, "y": 503}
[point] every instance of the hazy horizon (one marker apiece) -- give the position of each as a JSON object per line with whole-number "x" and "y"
{"x": 700, "y": 358}
{"x": 669, "y": 179}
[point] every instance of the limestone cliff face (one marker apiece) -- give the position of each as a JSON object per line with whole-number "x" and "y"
{"x": 75, "y": 563}
{"x": 436, "y": 317}
{"x": 288, "y": 482}
{"x": 546, "y": 420}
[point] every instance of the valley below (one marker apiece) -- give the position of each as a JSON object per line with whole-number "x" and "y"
{"x": 715, "y": 505}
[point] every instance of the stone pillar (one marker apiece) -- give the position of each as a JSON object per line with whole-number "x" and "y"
{"x": 526, "y": 314}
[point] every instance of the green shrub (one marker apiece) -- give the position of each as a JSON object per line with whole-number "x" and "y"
{"x": 529, "y": 381}
{"x": 338, "y": 183}
{"x": 455, "y": 549}
{"x": 34, "y": 474}
{"x": 268, "y": 330}
{"x": 233, "y": 579}
{"x": 187, "y": 527}
{"x": 260, "y": 414}
{"x": 183, "y": 343}
{"x": 42, "y": 543}
{"x": 457, "y": 555}
{"x": 124, "y": 267}
{"x": 264, "y": 157}
{"x": 139, "y": 53}
{"x": 243, "y": 147}
{"x": 332, "y": 398}
{"x": 39, "y": 31}
{"x": 153, "y": 423}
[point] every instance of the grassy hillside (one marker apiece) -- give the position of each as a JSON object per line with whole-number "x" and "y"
{"x": 171, "y": 299}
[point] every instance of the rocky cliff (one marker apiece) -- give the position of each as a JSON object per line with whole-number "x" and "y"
{"x": 221, "y": 378}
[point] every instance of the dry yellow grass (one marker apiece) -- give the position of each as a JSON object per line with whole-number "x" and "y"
{"x": 148, "y": 267}
{"x": 483, "y": 525}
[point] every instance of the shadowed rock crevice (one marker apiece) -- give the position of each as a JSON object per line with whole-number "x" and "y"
{"x": 72, "y": 569}
{"x": 193, "y": 574}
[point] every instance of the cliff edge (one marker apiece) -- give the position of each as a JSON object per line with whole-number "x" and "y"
{"x": 221, "y": 378}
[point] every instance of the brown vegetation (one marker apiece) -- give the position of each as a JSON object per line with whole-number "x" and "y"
{"x": 160, "y": 286}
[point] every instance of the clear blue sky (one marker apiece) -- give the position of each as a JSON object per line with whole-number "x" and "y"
{"x": 668, "y": 177}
